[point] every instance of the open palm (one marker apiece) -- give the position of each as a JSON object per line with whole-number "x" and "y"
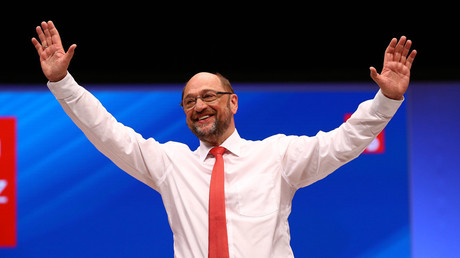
{"x": 53, "y": 59}
{"x": 394, "y": 78}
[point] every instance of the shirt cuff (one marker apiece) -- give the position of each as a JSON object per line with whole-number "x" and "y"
{"x": 385, "y": 106}
{"x": 64, "y": 88}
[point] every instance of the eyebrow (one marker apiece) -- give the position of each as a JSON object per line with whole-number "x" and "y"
{"x": 200, "y": 93}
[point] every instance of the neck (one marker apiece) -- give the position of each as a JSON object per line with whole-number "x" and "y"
{"x": 217, "y": 140}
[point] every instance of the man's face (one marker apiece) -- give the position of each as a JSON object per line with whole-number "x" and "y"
{"x": 211, "y": 122}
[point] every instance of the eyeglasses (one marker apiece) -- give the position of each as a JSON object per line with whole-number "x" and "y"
{"x": 208, "y": 96}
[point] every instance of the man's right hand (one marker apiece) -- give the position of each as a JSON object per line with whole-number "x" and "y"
{"x": 53, "y": 59}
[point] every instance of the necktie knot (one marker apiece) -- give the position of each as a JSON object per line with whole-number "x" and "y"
{"x": 217, "y": 151}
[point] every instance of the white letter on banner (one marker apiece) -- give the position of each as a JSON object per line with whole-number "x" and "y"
{"x": 3, "y": 184}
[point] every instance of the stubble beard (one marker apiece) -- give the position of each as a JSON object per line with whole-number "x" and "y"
{"x": 217, "y": 128}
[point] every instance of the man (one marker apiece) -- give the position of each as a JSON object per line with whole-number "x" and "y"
{"x": 233, "y": 200}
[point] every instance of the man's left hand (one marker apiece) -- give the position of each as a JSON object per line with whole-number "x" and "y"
{"x": 394, "y": 78}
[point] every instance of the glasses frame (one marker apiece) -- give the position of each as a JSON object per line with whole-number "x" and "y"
{"x": 219, "y": 94}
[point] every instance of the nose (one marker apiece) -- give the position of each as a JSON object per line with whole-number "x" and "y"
{"x": 200, "y": 105}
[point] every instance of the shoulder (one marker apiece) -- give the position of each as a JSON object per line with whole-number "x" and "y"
{"x": 286, "y": 139}
{"x": 177, "y": 147}
{"x": 277, "y": 142}
{"x": 169, "y": 149}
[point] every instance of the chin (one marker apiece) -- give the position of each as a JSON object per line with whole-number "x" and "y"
{"x": 208, "y": 132}
{"x": 204, "y": 131}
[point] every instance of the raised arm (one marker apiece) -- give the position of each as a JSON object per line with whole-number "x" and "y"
{"x": 394, "y": 78}
{"x": 126, "y": 148}
{"x": 53, "y": 59}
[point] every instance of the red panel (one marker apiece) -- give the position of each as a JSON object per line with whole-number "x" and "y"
{"x": 8, "y": 182}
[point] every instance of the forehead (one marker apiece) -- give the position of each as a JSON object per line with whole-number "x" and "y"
{"x": 201, "y": 82}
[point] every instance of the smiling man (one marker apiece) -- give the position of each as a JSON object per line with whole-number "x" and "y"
{"x": 230, "y": 197}
{"x": 209, "y": 116}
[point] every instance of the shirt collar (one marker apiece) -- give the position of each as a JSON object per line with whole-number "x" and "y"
{"x": 232, "y": 144}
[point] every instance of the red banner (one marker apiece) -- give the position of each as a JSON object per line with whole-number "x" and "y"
{"x": 7, "y": 182}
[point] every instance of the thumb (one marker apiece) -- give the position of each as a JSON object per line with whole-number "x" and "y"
{"x": 70, "y": 52}
{"x": 374, "y": 75}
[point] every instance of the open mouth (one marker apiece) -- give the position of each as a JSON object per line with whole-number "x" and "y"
{"x": 202, "y": 118}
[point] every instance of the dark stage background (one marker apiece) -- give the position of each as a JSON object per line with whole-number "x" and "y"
{"x": 280, "y": 42}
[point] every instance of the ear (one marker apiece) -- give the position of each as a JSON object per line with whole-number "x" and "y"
{"x": 234, "y": 103}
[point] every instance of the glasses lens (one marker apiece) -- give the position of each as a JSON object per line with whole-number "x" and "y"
{"x": 189, "y": 103}
{"x": 209, "y": 96}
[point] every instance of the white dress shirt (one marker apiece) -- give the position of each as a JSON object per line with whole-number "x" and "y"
{"x": 261, "y": 177}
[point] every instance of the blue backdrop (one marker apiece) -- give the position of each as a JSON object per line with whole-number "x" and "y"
{"x": 73, "y": 202}
{"x": 435, "y": 175}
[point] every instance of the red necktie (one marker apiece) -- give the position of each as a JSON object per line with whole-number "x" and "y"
{"x": 218, "y": 242}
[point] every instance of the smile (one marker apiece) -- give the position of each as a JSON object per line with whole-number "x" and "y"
{"x": 201, "y": 118}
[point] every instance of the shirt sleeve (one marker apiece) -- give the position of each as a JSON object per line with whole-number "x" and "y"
{"x": 306, "y": 160}
{"x": 126, "y": 148}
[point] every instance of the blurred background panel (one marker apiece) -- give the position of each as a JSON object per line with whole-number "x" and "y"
{"x": 73, "y": 202}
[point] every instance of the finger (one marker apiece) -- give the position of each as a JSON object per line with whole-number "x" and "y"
{"x": 389, "y": 52}
{"x": 399, "y": 48}
{"x": 47, "y": 33}
{"x": 37, "y": 46}
{"x": 405, "y": 51}
{"x": 41, "y": 36}
{"x": 54, "y": 34}
{"x": 410, "y": 59}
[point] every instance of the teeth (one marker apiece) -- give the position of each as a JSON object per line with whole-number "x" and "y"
{"x": 203, "y": 117}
